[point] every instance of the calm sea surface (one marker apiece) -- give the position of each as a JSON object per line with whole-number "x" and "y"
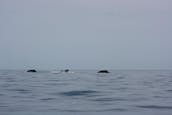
{"x": 121, "y": 92}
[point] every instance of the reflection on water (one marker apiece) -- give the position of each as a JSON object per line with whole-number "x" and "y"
{"x": 86, "y": 92}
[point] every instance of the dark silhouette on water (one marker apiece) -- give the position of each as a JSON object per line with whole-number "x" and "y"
{"x": 66, "y": 70}
{"x": 31, "y": 70}
{"x": 103, "y": 71}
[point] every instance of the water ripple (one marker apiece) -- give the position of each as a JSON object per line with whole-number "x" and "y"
{"x": 154, "y": 107}
{"x": 91, "y": 110}
{"x": 20, "y": 90}
{"x": 47, "y": 99}
{"x": 117, "y": 92}
{"x": 170, "y": 90}
{"x": 109, "y": 99}
{"x": 78, "y": 93}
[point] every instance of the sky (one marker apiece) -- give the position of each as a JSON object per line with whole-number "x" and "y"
{"x": 86, "y": 34}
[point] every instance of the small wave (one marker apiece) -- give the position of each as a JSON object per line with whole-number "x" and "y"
{"x": 6, "y": 85}
{"x": 3, "y": 106}
{"x": 47, "y": 99}
{"x": 91, "y": 110}
{"x": 55, "y": 80}
{"x": 121, "y": 77}
{"x": 2, "y": 94}
{"x": 21, "y": 90}
{"x": 154, "y": 107}
{"x": 170, "y": 81}
{"x": 51, "y": 84}
{"x": 170, "y": 90}
{"x": 115, "y": 109}
{"x": 78, "y": 93}
{"x": 109, "y": 99}
{"x": 11, "y": 80}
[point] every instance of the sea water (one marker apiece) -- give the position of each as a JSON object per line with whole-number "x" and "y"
{"x": 86, "y": 92}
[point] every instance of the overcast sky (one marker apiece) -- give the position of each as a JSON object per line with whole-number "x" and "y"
{"x": 86, "y": 34}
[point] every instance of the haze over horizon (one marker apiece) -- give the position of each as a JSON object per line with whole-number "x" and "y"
{"x": 86, "y": 34}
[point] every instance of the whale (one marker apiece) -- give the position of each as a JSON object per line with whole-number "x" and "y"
{"x": 103, "y": 71}
{"x": 31, "y": 70}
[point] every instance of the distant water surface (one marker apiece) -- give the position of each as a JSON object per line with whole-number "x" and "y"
{"x": 121, "y": 92}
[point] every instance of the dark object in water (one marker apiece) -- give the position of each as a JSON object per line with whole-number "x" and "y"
{"x": 103, "y": 71}
{"x": 66, "y": 70}
{"x": 31, "y": 70}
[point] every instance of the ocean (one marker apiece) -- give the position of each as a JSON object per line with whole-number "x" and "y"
{"x": 86, "y": 92}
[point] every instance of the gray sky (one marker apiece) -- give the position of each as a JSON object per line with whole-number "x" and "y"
{"x": 86, "y": 34}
